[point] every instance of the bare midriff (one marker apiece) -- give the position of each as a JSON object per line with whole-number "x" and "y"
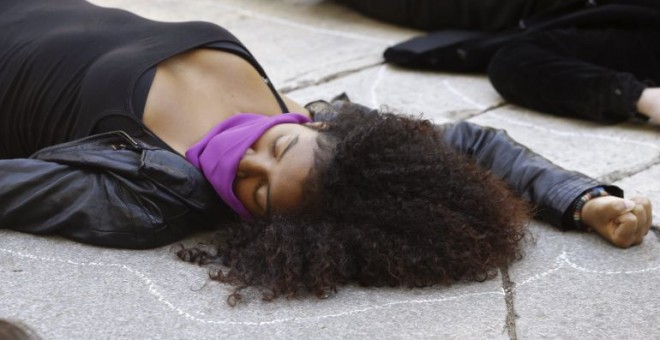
{"x": 194, "y": 91}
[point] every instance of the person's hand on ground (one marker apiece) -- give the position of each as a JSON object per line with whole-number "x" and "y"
{"x": 623, "y": 222}
{"x": 649, "y": 104}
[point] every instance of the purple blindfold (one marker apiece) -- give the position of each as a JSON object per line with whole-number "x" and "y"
{"x": 217, "y": 154}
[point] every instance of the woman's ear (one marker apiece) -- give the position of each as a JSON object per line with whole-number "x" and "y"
{"x": 341, "y": 97}
{"x": 321, "y": 110}
{"x": 318, "y": 126}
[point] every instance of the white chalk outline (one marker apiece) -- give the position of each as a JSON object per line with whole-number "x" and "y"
{"x": 156, "y": 291}
{"x": 374, "y": 87}
{"x": 591, "y": 136}
{"x": 587, "y": 135}
{"x": 462, "y": 96}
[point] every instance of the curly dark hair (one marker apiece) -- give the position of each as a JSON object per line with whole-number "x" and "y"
{"x": 388, "y": 204}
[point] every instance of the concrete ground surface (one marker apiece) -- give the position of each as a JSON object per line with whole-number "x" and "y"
{"x": 568, "y": 286}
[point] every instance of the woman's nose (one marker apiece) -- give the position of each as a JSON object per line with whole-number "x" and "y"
{"x": 251, "y": 164}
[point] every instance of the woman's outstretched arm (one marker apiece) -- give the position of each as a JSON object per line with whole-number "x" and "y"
{"x": 552, "y": 189}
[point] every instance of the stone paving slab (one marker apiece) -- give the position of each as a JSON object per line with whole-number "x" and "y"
{"x": 569, "y": 285}
{"x": 605, "y": 152}
{"x": 297, "y": 42}
{"x": 573, "y": 285}
{"x": 72, "y": 291}
{"x": 441, "y": 97}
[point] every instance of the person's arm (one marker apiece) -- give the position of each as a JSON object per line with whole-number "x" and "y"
{"x": 549, "y": 187}
{"x": 93, "y": 194}
{"x": 552, "y": 189}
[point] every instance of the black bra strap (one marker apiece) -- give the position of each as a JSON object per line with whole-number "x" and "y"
{"x": 242, "y": 52}
{"x": 279, "y": 99}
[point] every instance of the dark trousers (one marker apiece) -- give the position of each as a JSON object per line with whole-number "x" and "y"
{"x": 489, "y": 15}
{"x": 596, "y": 74}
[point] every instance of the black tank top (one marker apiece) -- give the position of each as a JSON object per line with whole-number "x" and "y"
{"x": 69, "y": 69}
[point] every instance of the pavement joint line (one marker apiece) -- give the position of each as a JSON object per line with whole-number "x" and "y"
{"x": 155, "y": 290}
{"x": 326, "y": 79}
{"x": 610, "y": 177}
{"x": 509, "y": 298}
{"x": 285, "y": 22}
{"x": 495, "y": 107}
{"x": 656, "y": 229}
{"x": 618, "y": 175}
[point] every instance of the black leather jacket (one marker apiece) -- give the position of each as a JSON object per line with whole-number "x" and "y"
{"x": 107, "y": 190}
{"x": 552, "y": 189}
{"x": 113, "y": 190}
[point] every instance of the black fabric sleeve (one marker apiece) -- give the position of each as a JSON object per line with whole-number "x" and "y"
{"x": 581, "y": 73}
{"x": 549, "y": 187}
{"x": 106, "y": 194}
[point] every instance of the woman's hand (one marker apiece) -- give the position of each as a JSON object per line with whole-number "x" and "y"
{"x": 623, "y": 222}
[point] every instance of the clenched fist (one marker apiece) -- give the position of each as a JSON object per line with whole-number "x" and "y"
{"x": 623, "y": 222}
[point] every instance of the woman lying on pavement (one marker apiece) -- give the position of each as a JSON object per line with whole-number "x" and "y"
{"x": 125, "y": 132}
